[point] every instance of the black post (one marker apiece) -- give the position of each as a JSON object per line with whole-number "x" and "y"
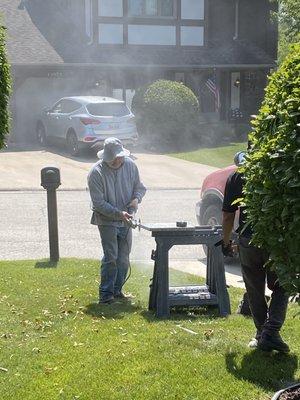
{"x": 52, "y": 224}
{"x": 50, "y": 180}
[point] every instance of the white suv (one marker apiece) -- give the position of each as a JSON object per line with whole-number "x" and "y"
{"x": 86, "y": 121}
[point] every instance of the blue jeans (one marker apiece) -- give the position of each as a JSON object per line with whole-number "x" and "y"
{"x": 116, "y": 245}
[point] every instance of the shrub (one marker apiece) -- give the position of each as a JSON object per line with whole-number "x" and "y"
{"x": 5, "y": 87}
{"x": 272, "y": 173}
{"x": 167, "y": 108}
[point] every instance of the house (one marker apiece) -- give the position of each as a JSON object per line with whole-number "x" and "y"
{"x": 222, "y": 49}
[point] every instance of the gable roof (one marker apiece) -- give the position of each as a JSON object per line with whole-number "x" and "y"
{"x": 25, "y": 43}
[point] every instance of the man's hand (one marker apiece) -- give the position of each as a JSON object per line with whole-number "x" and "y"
{"x": 228, "y": 249}
{"x": 126, "y": 217}
{"x": 134, "y": 204}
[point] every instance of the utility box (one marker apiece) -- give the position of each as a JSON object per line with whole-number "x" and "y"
{"x": 50, "y": 178}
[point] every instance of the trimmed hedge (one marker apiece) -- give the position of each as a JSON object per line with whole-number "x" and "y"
{"x": 272, "y": 173}
{"x": 167, "y": 108}
{"x": 5, "y": 89}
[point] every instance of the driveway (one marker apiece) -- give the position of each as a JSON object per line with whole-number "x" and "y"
{"x": 20, "y": 170}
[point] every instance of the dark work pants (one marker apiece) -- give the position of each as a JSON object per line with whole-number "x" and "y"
{"x": 267, "y": 318}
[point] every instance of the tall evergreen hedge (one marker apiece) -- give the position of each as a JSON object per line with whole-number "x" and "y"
{"x": 272, "y": 173}
{"x": 5, "y": 88}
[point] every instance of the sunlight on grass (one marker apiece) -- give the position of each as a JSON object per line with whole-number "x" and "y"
{"x": 56, "y": 342}
{"x": 216, "y": 157}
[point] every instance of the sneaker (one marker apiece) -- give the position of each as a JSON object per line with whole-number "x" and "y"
{"x": 107, "y": 300}
{"x": 253, "y": 343}
{"x": 269, "y": 342}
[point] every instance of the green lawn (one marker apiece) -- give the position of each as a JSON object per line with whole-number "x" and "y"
{"x": 216, "y": 157}
{"x": 56, "y": 342}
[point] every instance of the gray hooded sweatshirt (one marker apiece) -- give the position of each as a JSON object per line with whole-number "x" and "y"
{"x": 112, "y": 190}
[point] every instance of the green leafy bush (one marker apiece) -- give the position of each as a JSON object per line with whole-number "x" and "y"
{"x": 167, "y": 108}
{"x": 5, "y": 87}
{"x": 272, "y": 173}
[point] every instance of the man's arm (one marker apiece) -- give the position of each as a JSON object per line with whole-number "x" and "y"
{"x": 231, "y": 193}
{"x": 139, "y": 190}
{"x": 97, "y": 196}
{"x": 227, "y": 225}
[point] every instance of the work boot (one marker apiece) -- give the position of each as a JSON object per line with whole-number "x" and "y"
{"x": 269, "y": 342}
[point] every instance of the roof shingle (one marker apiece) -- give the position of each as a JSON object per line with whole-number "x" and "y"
{"x": 25, "y": 43}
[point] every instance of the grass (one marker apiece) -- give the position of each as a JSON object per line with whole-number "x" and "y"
{"x": 56, "y": 342}
{"x": 216, "y": 157}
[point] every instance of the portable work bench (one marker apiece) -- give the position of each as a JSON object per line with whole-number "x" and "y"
{"x": 214, "y": 293}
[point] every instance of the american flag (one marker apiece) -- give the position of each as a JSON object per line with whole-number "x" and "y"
{"x": 211, "y": 85}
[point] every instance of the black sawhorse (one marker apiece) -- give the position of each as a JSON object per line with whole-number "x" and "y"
{"x": 214, "y": 293}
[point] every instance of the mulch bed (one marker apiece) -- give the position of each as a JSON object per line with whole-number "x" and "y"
{"x": 291, "y": 394}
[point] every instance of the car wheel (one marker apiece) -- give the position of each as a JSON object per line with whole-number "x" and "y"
{"x": 72, "y": 144}
{"x": 41, "y": 135}
{"x": 211, "y": 216}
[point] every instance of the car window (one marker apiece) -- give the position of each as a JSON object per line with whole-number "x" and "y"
{"x": 65, "y": 106}
{"x": 70, "y": 106}
{"x": 108, "y": 109}
{"x": 56, "y": 108}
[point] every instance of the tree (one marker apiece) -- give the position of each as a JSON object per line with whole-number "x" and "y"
{"x": 288, "y": 17}
{"x": 5, "y": 89}
{"x": 272, "y": 173}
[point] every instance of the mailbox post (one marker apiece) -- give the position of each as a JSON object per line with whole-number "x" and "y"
{"x": 50, "y": 180}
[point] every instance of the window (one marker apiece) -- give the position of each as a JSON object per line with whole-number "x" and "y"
{"x": 192, "y": 9}
{"x": 151, "y": 8}
{"x": 108, "y": 109}
{"x": 88, "y": 18}
{"x": 70, "y": 106}
{"x": 110, "y": 33}
{"x": 110, "y": 8}
{"x": 57, "y": 107}
{"x": 65, "y": 106}
{"x": 191, "y": 35}
{"x": 167, "y": 8}
{"x": 152, "y": 35}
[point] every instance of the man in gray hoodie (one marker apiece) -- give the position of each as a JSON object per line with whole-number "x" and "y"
{"x": 115, "y": 190}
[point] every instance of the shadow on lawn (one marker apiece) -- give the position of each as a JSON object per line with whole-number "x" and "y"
{"x": 45, "y": 264}
{"x": 270, "y": 371}
{"x": 183, "y": 314}
{"x": 114, "y": 310}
